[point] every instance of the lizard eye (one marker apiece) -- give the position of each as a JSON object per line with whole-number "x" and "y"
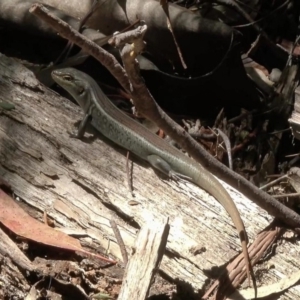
{"x": 67, "y": 77}
{"x": 80, "y": 91}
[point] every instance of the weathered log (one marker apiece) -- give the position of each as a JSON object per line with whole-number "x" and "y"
{"x": 81, "y": 183}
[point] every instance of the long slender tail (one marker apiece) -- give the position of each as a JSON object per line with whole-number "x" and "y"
{"x": 208, "y": 182}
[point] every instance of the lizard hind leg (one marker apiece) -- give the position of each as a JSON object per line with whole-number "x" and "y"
{"x": 163, "y": 166}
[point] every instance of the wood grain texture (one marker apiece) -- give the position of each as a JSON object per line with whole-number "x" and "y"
{"x": 146, "y": 256}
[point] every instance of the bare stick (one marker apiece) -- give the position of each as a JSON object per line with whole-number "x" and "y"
{"x": 129, "y": 177}
{"x": 273, "y": 182}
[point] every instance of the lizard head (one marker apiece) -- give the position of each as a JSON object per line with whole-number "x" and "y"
{"x": 75, "y": 82}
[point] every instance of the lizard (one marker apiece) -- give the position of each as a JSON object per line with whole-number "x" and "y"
{"x": 133, "y": 136}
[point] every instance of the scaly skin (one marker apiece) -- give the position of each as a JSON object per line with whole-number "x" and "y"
{"x": 133, "y": 136}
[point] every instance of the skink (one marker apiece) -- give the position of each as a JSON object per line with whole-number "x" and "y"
{"x": 133, "y": 136}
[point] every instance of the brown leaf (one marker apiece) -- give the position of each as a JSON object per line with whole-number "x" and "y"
{"x": 18, "y": 221}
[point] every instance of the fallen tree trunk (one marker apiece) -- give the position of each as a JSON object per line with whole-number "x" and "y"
{"x": 81, "y": 184}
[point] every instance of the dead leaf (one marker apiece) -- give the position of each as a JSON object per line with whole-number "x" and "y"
{"x": 17, "y": 220}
